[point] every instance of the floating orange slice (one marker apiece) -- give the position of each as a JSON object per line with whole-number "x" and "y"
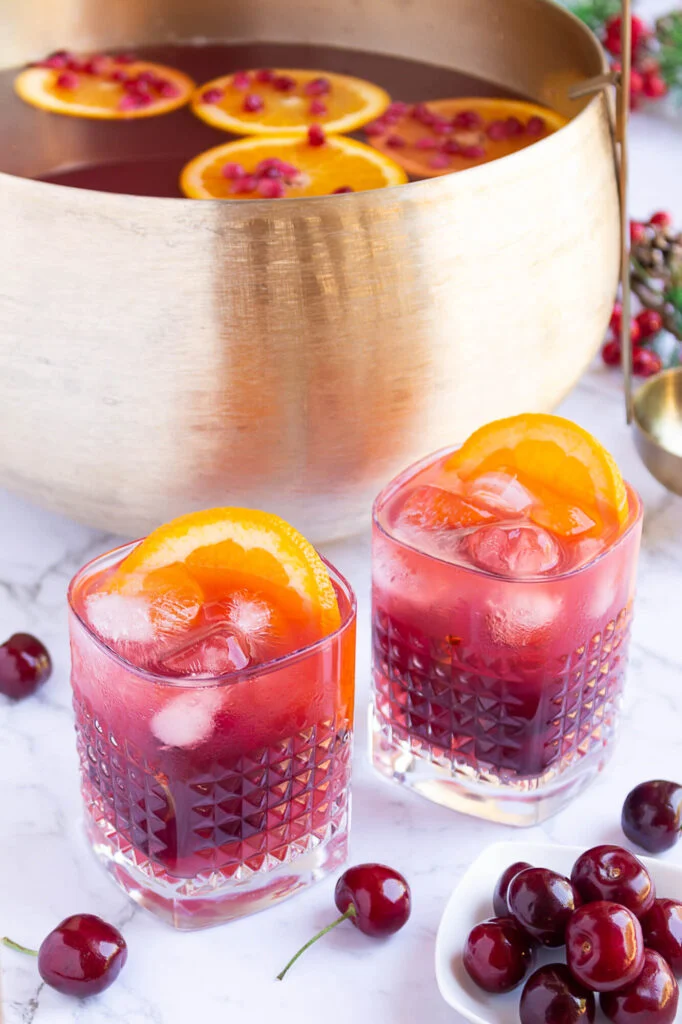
{"x": 103, "y": 87}
{"x": 572, "y": 474}
{"x": 429, "y": 139}
{"x": 270, "y": 102}
{"x": 226, "y": 549}
{"x": 289, "y": 166}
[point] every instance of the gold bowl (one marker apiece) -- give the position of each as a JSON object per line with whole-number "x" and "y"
{"x": 160, "y": 355}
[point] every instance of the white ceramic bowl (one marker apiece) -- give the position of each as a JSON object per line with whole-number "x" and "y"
{"x": 471, "y": 902}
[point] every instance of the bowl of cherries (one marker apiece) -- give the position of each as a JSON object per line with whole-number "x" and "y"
{"x": 561, "y": 935}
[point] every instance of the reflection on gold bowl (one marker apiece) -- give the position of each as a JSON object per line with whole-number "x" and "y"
{"x": 159, "y": 355}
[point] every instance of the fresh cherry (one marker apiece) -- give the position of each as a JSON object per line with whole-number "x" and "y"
{"x": 652, "y": 815}
{"x": 614, "y": 874}
{"x": 81, "y": 957}
{"x": 604, "y": 946}
{"x": 662, "y": 219}
{"x": 498, "y": 954}
{"x": 500, "y": 905}
{"x": 375, "y": 898}
{"x": 553, "y": 996}
{"x": 650, "y": 999}
{"x": 542, "y": 902}
{"x": 24, "y": 666}
{"x": 662, "y": 929}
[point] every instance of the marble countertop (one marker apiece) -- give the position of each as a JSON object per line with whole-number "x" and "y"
{"x": 227, "y": 974}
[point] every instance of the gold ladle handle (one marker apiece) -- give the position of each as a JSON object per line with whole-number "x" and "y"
{"x": 621, "y": 80}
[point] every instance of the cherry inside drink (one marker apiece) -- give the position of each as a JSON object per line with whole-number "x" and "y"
{"x": 499, "y": 647}
{"x": 215, "y": 757}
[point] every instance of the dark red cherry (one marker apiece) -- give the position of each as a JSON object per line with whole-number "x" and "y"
{"x": 380, "y": 898}
{"x": 500, "y": 905}
{"x": 662, "y": 929}
{"x": 498, "y": 954}
{"x": 652, "y": 815}
{"x": 82, "y": 956}
{"x": 553, "y": 996}
{"x": 614, "y": 874}
{"x": 604, "y": 946}
{"x": 374, "y": 897}
{"x": 651, "y": 998}
{"x": 542, "y": 902}
{"x": 24, "y": 666}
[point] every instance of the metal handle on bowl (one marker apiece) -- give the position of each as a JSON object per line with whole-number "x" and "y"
{"x": 621, "y": 80}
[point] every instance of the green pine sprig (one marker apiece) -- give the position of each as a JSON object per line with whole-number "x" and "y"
{"x": 669, "y": 55}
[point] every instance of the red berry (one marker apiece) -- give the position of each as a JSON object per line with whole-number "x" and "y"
{"x": 611, "y": 353}
{"x": 654, "y": 86}
{"x": 604, "y": 946}
{"x": 614, "y": 874}
{"x": 652, "y": 812}
{"x": 613, "y": 42}
{"x": 82, "y": 956}
{"x": 317, "y": 108}
{"x": 637, "y": 232}
{"x": 67, "y": 80}
{"x": 232, "y": 171}
{"x": 500, "y": 905}
{"x": 212, "y": 96}
{"x": 318, "y": 87}
{"x": 662, "y": 928}
{"x": 253, "y": 103}
{"x": 553, "y": 996}
{"x": 316, "y": 135}
{"x": 241, "y": 80}
{"x": 636, "y": 88}
{"x": 284, "y": 83}
{"x": 650, "y": 322}
{"x": 467, "y": 119}
{"x": 395, "y": 141}
{"x": 342, "y": 190}
{"x": 24, "y": 666}
{"x": 635, "y": 332}
{"x": 535, "y": 126}
{"x": 264, "y": 75}
{"x": 542, "y": 902}
{"x": 498, "y": 954}
{"x": 661, "y": 219}
{"x": 652, "y": 997}
{"x": 646, "y": 363}
{"x": 614, "y": 322}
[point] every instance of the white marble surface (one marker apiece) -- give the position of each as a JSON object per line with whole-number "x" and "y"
{"x": 227, "y": 975}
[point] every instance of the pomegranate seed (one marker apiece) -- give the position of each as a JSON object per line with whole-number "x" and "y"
{"x": 232, "y": 171}
{"x": 497, "y": 131}
{"x": 284, "y": 83}
{"x": 342, "y": 189}
{"x": 270, "y": 188}
{"x": 318, "y": 87}
{"x": 535, "y": 125}
{"x": 646, "y": 363}
{"x": 212, "y": 96}
{"x": 637, "y": 232}
{"x": 610, "y": 353}
{"x": 141, "y": 87}
{"x": 119, "y": 76}
{"x": 273, "y": 163}
{"x": 247, "y": 183}
{"x": 439, "y": 161}
{"x": 134, "y": 101}
{"x": 123, "y": 58}
{"x": 661, "y": 219}
{"x": 253, "y": 103}
{"x": 77, "y": 64}
{"x": 316, "y": 135}
{"x": 616, "y": 315}
{"x": 395, "y": 141}
{"x": 317, "y": 108}
{"x": 441, "y": 127}
{"x": 467, "y": 119}
{"x": 241, "y": 80}
{"x": 473, "y": 152}
{"x": 451, "y": 147}
{"x": 146, "y": 78}
{"x": 67, "y": 80}
{"x": 264, "y": 75}
{"x": 654, "y": 87}
{"x": 95, "y": 66}
{"x": 650, "y": 322}
{"x": 420, "y": 112}
{"x": 169, "y": 90}
{"x": 426, "y": 142}
{"x": 374, "y": 128}
{"x": 514, "y": 126}
{"x": 397, "y": 109}
{"x": 58, "y": 59}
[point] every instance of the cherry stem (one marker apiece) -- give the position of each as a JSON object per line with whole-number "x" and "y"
{"x": 19, "y": 949}
{"x": 351, "y": 912}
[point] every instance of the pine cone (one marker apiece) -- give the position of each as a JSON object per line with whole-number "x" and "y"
{"x": 656, "y": 274}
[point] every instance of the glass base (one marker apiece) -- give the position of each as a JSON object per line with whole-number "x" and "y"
{"x": 522, "y": 802}
{"x": 218, "y": 899}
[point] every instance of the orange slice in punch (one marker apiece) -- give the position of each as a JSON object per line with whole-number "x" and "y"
{"x": 103, "y": 87}
{"x": 284, "y": 100}
{"x": 429, "y": 139}
{"x": 225, "y": 550}
{"x": 288, "y": 166}
{"x": 433, "y": 508}
{"x": 574, "y": 478}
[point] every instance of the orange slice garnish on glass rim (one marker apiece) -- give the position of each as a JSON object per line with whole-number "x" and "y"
{"x": 441, "y": 136}
{"x": 339, "y": 164}
{"x": 285, "y": 100}
{"x": 556, "y": 459}
{"x": 111, "y": 90}
{"x": 223, "y": 550}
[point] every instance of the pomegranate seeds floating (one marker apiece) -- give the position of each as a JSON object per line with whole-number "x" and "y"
{"x": 315, "y": 164}
{"x": 463, "y": 132}
{"x": 288, "y": 101}
{"x": 373, "y": 897}
{"x": 102, "y": 87}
